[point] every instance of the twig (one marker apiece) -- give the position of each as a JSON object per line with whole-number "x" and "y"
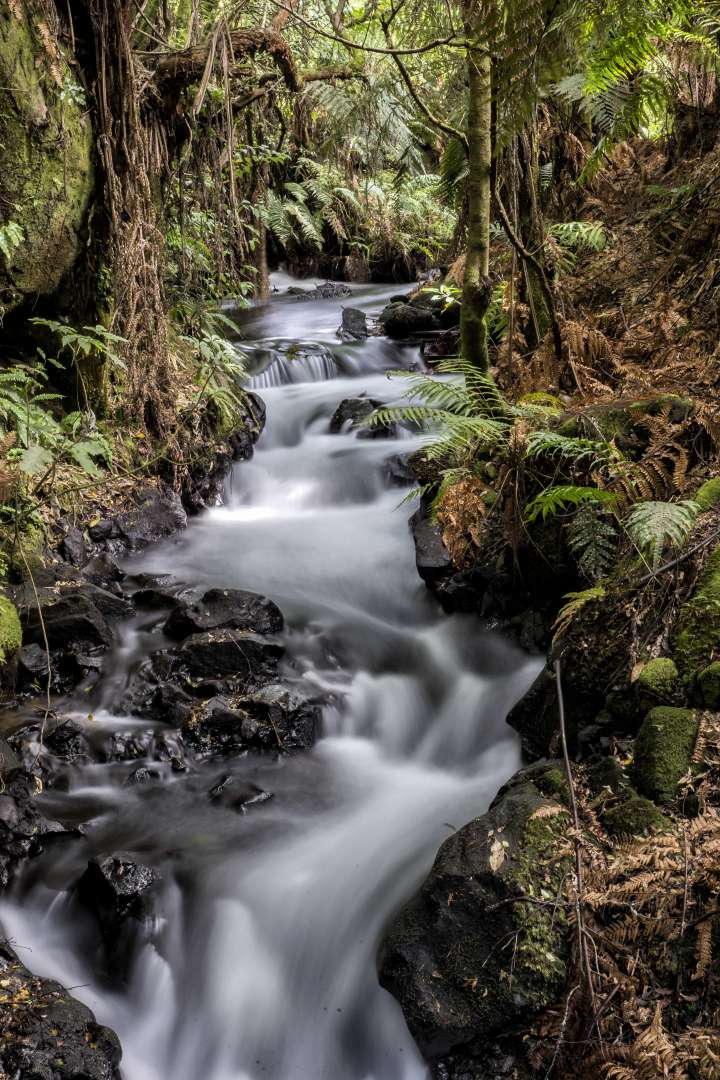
{"x": 579, "y": 888}
{"x": 676, "y": 562}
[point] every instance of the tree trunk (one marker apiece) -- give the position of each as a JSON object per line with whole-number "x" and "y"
{"x": 476, "y": 286}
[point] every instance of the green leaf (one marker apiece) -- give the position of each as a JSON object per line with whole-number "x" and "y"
{"x": 36, "y": 460}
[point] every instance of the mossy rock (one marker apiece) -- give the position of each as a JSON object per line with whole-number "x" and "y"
{"x": 696, "y": 635}
{"x": 663, "y": 751}
{"x": 708, "y": 495}
{"x": 442, "y": 956}
{"x": 709, "y": 685}
{"x": 634, "y": 816}
{"x": 10, "y": 630}
{"x": 659, "y": 683}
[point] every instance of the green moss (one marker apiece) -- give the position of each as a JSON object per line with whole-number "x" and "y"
{"x": 634, "y": 816}
{"x": 659, "y": 680}
{"x": 46, "y": 158}
{"x": 552, "y": 782}
{"x": 708, "y": 495}
{"x": 696, "y": 635}
{"x": 541, "y": 946}
{"x": 10, "y": 630}
{"x": 709, "y": 685}
{"x": 663, "y": 750}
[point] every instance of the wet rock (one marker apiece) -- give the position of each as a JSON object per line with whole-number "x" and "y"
{"x": 221, "y": 654}
{"x": 443, "y": 956}
{"x": 104, "y": 571}
{"x": 225, "y": 609}
{"x": 275, "y": 719}
{"x": 238, "y": 795}
{"x": 151, "y": 695}
{"x": 354, "y": 325}
{"x": 431, "y": 556}
{"x": 157, "y": 514}
{"x": 330, "y": 290}
{"x": 74, "y": 547}
{"x": 46, "y": 1033}
{"x": 351, "y": 413}
{"x": 398, "y": 471}
{"x": 22, "y": 826}
{"x": 32, "y": 664}
{"x": 70, "y": 617}
{"x": 120, "y": 894}
{"x": 405, "y": 320}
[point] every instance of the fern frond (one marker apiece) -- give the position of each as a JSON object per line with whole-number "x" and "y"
{"x": 655, "y": 526}
{"x": 561, "y": 497}
{"x": 576, "y": 602}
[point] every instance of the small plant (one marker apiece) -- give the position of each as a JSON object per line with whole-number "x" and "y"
{"x": 655, "y": 526}
{"x": 11, "y": 237}
{"x": 219, "y": 372}
{"x": 560, "y": 498}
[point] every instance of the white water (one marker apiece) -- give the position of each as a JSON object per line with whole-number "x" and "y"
{"x": 263, "y": 961}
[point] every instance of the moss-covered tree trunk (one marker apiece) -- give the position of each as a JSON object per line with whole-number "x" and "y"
{"x": 476, "y": 286}
{"x": 47, "y": 174}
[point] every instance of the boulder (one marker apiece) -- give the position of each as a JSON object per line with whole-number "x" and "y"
{"x": 406, "y": 320}
{"x": 157, "y": 514}
{"x": 663, "y": 751}
{"x": 462, "y": 957}
{"x": 120, "y": 894}
{"x": 237, "y": 654}
{"x": 22, "y": 827}
{"x": 351, "y": 413}
{"x": 69, "y": 617}
{"x": 46, "y": 1033}
{"x": 709, "y": 685}
{"x": 354, "y": 325}
{"x": 224, "y": 609}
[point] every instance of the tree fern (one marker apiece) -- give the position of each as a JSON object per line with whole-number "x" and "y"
{"x": 655, "y": 526}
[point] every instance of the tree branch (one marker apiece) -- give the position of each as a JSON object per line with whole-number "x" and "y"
{"x": 189, "y": 64}
{"x": 436, "y": 43}
{"x": 435, "y": 121}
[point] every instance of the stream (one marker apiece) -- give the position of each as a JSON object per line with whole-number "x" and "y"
{"x": 260, "y": 961}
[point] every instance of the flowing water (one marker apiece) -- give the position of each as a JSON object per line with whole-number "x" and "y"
{"x": 261, "y": 962}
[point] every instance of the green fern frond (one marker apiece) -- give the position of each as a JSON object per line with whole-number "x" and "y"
{"x": 562, "y": 497}
{"x": 655, "y": 526}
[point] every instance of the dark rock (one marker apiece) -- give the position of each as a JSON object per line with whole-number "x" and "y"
{"x": 8, "y": 757}
{"x": 535, "y": 717}
{"x": 219, "y": 654}
{"x": 104, "y": 571}
{"x": 431, "y": 556}
{"x": 70, "y": 616}
{"x": 107, "y": 529}
{"x": 22, "y": 826}
{"x": 354, "y": 325}
{"x": 331, "y": 290}
{"x": 157, "y": 514}
{"x": 32, "y": 664}
{"x": 398, "y": 471}
{"x": 225, "y": 609}
{"x": 74, "y": 548}
{"x": 443, "y": 956}
{"x": 405, "y": 320}
{"x": 275, "y": 719}
{"x": 46, "y": 1033}
{"x": 120, "y": 894}
{"x": 350, "y": 415}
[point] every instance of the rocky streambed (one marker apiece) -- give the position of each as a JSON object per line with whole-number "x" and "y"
{"x": 261, "y": 729}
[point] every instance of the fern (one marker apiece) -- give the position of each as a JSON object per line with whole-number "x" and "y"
{"x": 561, "y": 497}
{"x": 11, "y": 237}
{"x": 586, "y": 452}
{"x": 655, "y": 526}
{"x": 593, "y": 540}
{"x": 576, "y": 602}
